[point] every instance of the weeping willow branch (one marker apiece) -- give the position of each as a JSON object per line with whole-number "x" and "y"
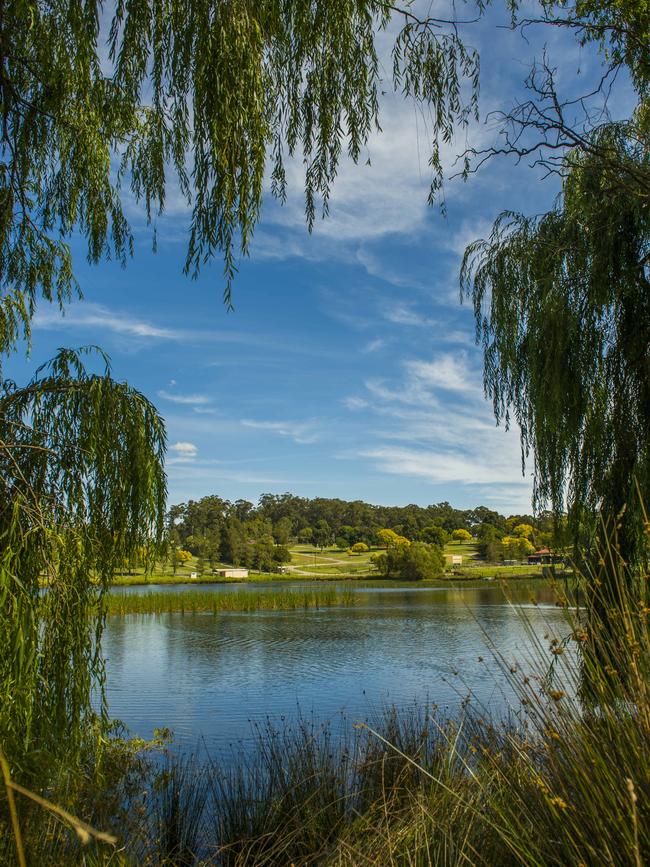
{"x": 82, "y": 488}
{"x": 206, "y": 96}
{"x": 562, "y": 307}
{"x": 545, "y": 129}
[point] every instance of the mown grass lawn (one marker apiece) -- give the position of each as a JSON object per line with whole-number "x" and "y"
{"x": 468, "y": 550}
{"x": 334, "y": 562}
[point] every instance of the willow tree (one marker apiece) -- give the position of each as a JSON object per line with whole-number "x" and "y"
{"x": 562, "y": 306}
{"x": 212, "y": 97}
{"x": 81, "y": 488}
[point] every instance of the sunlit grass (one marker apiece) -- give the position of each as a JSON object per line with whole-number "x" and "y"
{"x": 468, "y": 550}
{"x": 310, "y": 563}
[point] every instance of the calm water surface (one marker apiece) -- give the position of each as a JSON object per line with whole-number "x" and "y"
{"x": 210, "y": 678}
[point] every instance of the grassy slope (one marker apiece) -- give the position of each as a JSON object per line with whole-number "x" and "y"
{"x": 309, "y": 563}
{"x": 466, "y": 550}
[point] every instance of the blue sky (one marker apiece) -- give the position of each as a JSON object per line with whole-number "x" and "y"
{"x": 348, "y": 367}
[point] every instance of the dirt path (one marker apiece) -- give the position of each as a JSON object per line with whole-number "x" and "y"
{"x": 322, "y": 559}
{"x": 296, "y": 571}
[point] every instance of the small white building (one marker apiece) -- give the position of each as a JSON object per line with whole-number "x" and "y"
{"x": 233, "y": 572}
{"x": 456, "y": 559}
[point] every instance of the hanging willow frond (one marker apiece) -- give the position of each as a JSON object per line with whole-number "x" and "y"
{"x": 82, "y": 488}
{"x": 200, "y": 94}
{"x": 562, "y": 307}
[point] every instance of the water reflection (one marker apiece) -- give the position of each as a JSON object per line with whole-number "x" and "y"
{"x": 209, "y": 676}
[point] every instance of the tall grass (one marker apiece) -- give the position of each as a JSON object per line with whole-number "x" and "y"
{"x": 565, "y": 781}
{"x": 196, "y": 601}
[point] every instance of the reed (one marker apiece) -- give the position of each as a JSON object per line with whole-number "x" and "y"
{"x": 197, "y": 601}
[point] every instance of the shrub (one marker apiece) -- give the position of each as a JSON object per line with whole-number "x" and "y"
{"x": 413, "y": 561}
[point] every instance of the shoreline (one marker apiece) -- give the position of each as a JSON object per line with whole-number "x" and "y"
{"x": 265, "y": 578}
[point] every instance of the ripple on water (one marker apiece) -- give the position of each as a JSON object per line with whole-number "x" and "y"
{"x": 211, "y": 677}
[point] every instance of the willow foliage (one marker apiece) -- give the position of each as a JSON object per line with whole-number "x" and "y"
{"x": 562, "y": 306}
{"x": 82, "y": 488}
{"x": 621, "y": 28}
{"x": 96, "y": 107}
{"x": 213, "y": 94}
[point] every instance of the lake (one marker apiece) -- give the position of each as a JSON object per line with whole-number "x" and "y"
{"x": 211, "y": 678}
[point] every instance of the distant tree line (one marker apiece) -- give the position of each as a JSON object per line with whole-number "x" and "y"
{"x": 217, "y": 530}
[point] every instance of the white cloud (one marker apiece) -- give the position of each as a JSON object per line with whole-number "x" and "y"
{"x": 207, "y": 473}
{"x": 424, "y": 380}
{"x": 300, "y": 432}
{"x": 447, "y": 372}
{"x": 367, "y": 201}
{"x": 455, "y": 336}
{"x": 411, "y": 392}
{"x": 98, "y": 316}
{"x": 384, "y": 195}
{"x": 186, "y": 449}
{"x": 374, "y": 345}
{"x": 185, "y": 399}
{"x": 437, "y": 427}
{"x": 385, "y": 271}
{"x": 355, "y": 403}
{"x": 469, "y": 231}
{"x": 404, "y": 314}
{"x": 183, "y": 452}
{"x": 441, "y": 466}
{"x": 88, "y": 315}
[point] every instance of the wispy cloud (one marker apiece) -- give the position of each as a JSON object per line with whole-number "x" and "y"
{"x": 374, "y": 345}
{"x": 384, "y": 270}
{"x": 447, "y": 372}
{"x": 383, "y": 196}
{"x": 140, "y": 332}
{"x": 436, "y": 426}
{"x": 439, "y": 467}
{"x": 455, "y": 335}
{"x": 405, "y": 314}
{"x": 356, "y": 403}
{"x": 98, "y": 316}
{"x": 426, "y": 381}
{"x": 469, "y": 231}
{"x": 185, "y": 399}
{"x": 209, "y": 473}
{"x": 300, "y": 432}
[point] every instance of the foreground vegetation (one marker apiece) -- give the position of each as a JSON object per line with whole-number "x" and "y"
{"x": 537, "y": 787}
{"x": 195, "y": 601}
